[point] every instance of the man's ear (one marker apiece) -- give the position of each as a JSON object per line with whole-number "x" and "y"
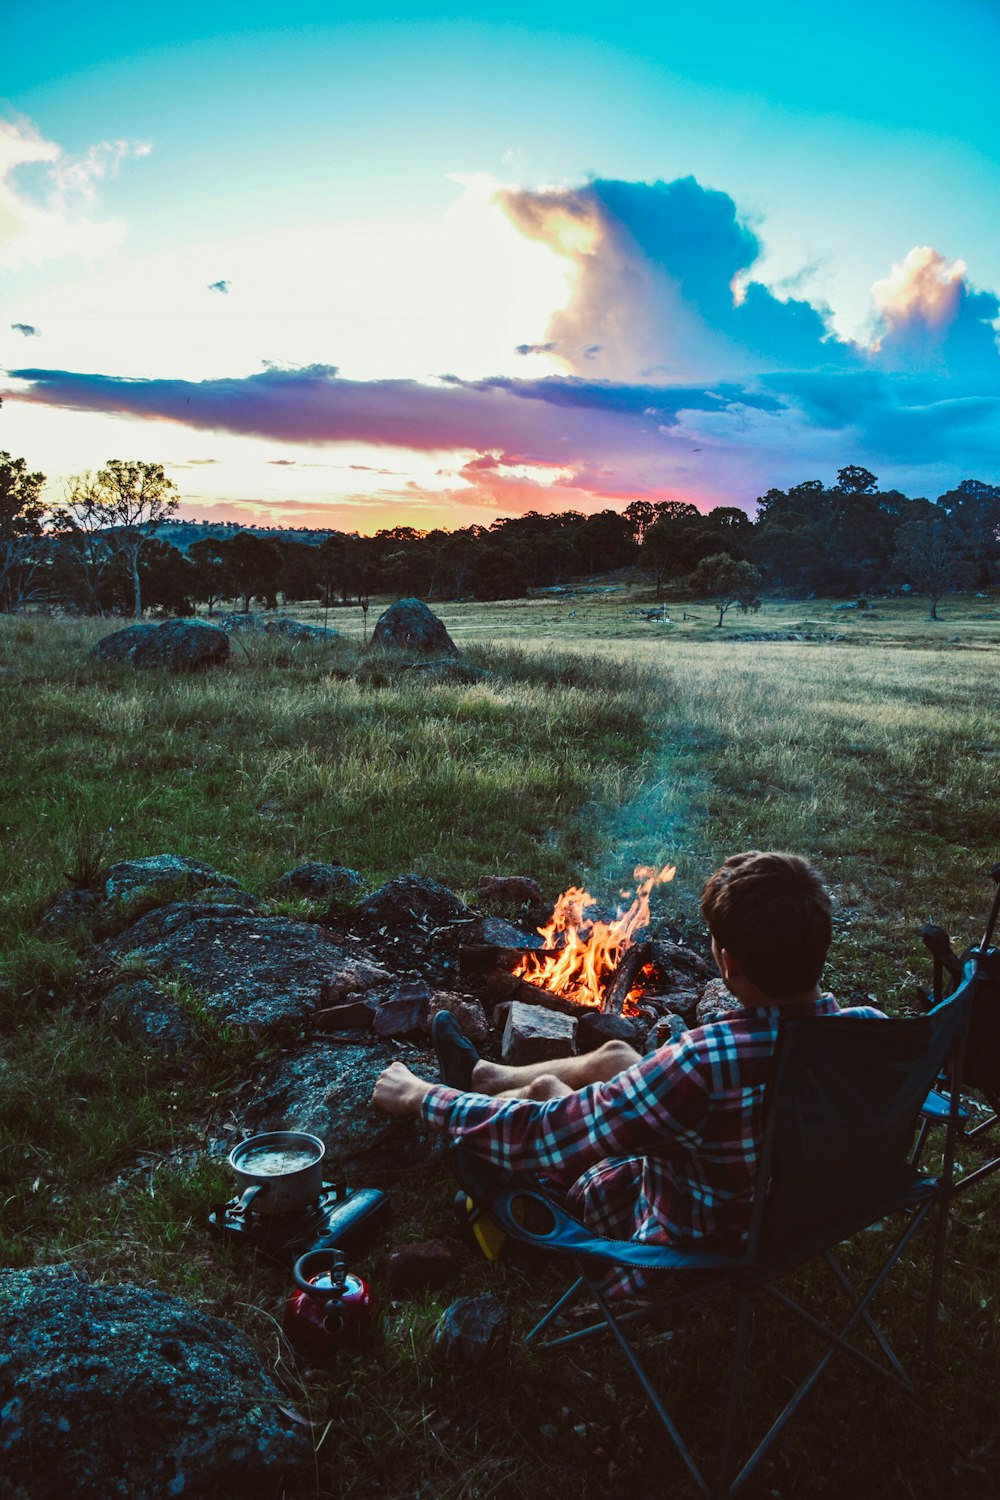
{"x": 730, "y": 967}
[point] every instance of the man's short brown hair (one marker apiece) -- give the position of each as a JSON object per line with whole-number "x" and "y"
{"x": 772, "y": 912}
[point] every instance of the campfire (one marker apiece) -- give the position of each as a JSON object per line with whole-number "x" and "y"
{"x": 589, "y": 961}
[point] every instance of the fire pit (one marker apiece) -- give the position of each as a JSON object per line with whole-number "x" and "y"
{"x": 590, "y": 961}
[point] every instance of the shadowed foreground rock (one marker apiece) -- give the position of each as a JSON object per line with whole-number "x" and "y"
{"x": 471, "y": 1331}
{"x": 175, "y": 646}
{"x": 408, "y": 625}
{"x": 110, "y": 1391}
{"x": 247, "y": 970}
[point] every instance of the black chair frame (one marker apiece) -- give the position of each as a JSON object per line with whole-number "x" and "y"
{"x": 794, "y": 1219}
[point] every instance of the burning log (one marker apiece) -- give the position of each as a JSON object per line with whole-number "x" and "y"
{"x": 503, "y": 986}
{"x": 623, "y": 979}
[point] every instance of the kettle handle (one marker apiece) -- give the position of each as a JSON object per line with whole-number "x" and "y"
{"x": 314, "y": 1263}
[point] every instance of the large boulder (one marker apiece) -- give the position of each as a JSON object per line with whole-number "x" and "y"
{"x": 123, "y": 1391}
{"x": 326, "y": 1089}
{"x": 319, "y": 882}
{"x": 169, "y": 876}
{"x": 175, "y": 646}
{"x": 153, "y": 1019}
{"x": 253, "y": 971}
{"x": 408, "y": 625}
{"x": 413, "y": 902}
{"x": 280, "y": 625}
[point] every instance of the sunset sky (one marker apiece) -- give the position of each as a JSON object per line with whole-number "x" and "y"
{"x": 447, "y": 264}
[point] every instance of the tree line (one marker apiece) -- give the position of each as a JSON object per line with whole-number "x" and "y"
{"x": 103, "y": 551}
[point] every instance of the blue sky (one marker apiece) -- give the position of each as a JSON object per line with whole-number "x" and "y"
{"x": 244, "y": 207}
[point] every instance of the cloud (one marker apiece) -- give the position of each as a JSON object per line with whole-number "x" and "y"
{"x": 28, "y": 329}
{"x": 690, "y": 378}
{"x": 664, "y": 284}
{"x": 931, "y": 318}
{"x": 220, "y": 286}
{"x": 534, "y": 348}
{"x": 48, "y": 213}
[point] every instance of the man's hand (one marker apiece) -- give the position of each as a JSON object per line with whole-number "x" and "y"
{"x": 399, "y": 1092}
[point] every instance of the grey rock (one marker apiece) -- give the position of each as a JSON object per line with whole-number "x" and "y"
{"x": 353, "y": 1015}
{"x": 408, "y": 625}
{"x": 151, "y": 1018}
{"x": 413, "y": 902}
{"x": 325, "y": 1089}
{"x": 73, "y": 912}
{"x": 171, "y": 876}
{"x": 509, "y": 891}
{"x": 497, "y": 932}
{"x": 260, "y": 972}
{"x": 716, "y": 1002}
{"x": 175, "y": 646}
{"x": 533, "y": 1034}
{"x": 319, "y": 882}
{"x": 471, "y": 1331}
{"x": 467, "y": 1012}
{"x": 417, "y": 1266}
{"x": 681, "y": 1002}
{"x": 676, "y": 963}
{"x": 594, "y": 1028}
{"x": 403, "y": 1012}
{"x": 280, "y": 625}
{"x": 111, "y": 1391}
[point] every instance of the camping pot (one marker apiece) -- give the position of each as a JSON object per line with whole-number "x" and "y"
{"x": 330, "y": 1306}
{"x": 280, "y": 1172}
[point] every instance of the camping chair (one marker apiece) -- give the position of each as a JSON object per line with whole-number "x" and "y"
{"x": 981, "y": 1071}
{"x": 840, "y": 1117}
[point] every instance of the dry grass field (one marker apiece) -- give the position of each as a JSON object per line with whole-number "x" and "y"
{"x": 588, "y": 738}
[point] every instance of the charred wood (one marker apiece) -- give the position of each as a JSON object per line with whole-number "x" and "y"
{"x": 633, "y": 961}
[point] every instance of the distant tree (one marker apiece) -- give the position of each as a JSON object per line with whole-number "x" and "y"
{"x": 933, "y": 555}
{"x": 854, "y": 480}
{"x": 975, "y": 507}
{"x": 791, "y": 555}
{"x": 640, "y": 515}
{"x": 299, "y": 579}
{"x": 675, "y": 542}
{"x": 726, "y": 581}
{"x": 499, "y": 572}
{"x": 253, "y": 566}
{"x": 168, "y": 578}
{"x": 21, "y": 515}
{"x": 604, "y": 541}
{"x": 118, "y": 509}
{"x": 457, "y": 557}
{"x": 210, "y": 579}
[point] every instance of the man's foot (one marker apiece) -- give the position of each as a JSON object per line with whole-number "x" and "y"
{"x": 456, "y": 1054}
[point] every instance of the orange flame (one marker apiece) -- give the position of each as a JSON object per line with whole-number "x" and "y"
{"x": 588, "y": 952}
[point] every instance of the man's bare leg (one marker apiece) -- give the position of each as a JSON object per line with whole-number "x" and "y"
{"x": 550, "y": 1080}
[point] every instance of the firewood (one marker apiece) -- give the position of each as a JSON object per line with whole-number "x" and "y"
{"x": 624, "y": 977}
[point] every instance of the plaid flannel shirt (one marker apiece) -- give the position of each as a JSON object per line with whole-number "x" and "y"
{"x": 665, "y": 1152}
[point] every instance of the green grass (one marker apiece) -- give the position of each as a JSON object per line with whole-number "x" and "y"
{"x": 591, "y": 740}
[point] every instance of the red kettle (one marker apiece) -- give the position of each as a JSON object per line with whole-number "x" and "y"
{"x": 330, "y": 1307}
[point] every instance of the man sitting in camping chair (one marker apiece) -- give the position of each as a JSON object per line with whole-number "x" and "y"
{"x": 661, "y": 1149}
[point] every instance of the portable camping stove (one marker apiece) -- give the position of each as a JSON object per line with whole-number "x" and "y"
{"x": 336, "y": 1217}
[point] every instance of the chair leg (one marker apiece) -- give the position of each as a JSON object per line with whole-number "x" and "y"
{"x": 740, "y": 1345}
{"x": 870, "y": 1323}
{"x": 937, "y": 1278}
{"x": 651, "y": 1393}
{"x": 564, "y": 1301}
